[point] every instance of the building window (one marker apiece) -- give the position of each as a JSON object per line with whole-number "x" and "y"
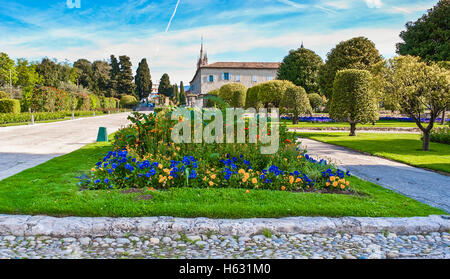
{"x": 238, "y": 77}
{"x": 211, "y": 78}
{"x": 226, "y": 76}
{"x": 254, "y": 79}
{"x": 269, "y": 78}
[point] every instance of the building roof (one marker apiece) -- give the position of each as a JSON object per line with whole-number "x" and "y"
{"x": 244, "y": 65}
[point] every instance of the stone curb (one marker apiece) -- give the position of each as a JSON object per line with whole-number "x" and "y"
{"x": 22, "y": 225}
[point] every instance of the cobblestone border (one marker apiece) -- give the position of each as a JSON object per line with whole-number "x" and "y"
{"x": 23, "y": 225}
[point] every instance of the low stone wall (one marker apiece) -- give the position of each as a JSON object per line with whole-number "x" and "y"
{"x": 21, "y": 225}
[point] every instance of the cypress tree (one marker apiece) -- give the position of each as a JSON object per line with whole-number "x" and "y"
{"x": 165, "y": 87}
{"x": 143, "y": 80}
{"x": 182, "y": 94}
{"x": 125, "y": 83}
{"x": 113, "y": 74}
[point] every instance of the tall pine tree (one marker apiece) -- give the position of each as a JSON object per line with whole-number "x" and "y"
{"x": 165, "y": 87}
{"x": 143, "y": 80}
{"x": 182, "y": 94}
{"x": 175, "y": 94}
{"x": 114, "y": 74}
{"x": 125, "y": 85}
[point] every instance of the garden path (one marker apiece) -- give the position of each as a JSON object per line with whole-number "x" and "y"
{"x": 23, "y": 147}
{"x": 425, "y": 186}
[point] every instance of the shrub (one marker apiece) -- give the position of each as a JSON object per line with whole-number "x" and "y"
{"x": 109, "y": 102}
{"x": 9, "y": 106}
{"x": 83, "y": 101}
{"x": 211, "y": 103}
{"x": 440, "y": 135}
{"x": 234, "y": 94}
{"x": 352, "y": 100}
{"x": 7, "y": 118}
{"x": 4, "y": 95}
{"x": 271, "y": 92}
{"x": 50, "y": 99}
{"x": 295, "y": 101}
{"x": 128, "y": 101}
{"x": 316, "y": 101}
{"x": 95, "y": 101}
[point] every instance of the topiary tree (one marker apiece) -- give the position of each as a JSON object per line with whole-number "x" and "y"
{"x": 301, "y": 67}
{"x": 353, "y": 101}
{"x": 295, "y": 101}
{"x": 316, "y": 101}
{"x": 251, "y": 100}
{"x": 357, "y": 53}
{"x": 429, "y": 36}
{"x": 413, "y": 87}
{"x": 234, "y": 94}
{"x": 9, "y": 106}
{"x": 128, "y": 101}
{"x": 271, "y": 92}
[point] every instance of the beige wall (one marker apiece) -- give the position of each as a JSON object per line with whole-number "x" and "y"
{"x": 202, "y": 85}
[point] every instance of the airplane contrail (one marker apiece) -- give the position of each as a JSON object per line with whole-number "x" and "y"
{"x": 174, "y": 12}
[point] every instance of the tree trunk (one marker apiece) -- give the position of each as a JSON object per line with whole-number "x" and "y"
{"x": 352, "y": 129}
{"x": 443, "y": 118}
{"x": 295, "y": 119}
{"x": 426, "y": 141}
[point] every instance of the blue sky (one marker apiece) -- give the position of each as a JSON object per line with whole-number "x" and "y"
{"x": 237, "y": 30}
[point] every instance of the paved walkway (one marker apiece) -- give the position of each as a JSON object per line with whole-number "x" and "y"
{"x": 422, "y": 185}
{"x": 23, "y": 147}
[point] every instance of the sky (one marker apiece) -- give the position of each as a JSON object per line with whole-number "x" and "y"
{"x": 168, "y": 33}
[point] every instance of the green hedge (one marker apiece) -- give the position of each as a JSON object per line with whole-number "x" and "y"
{"x": 128, "y": 101}
{"x": 9, "y": 106}
{"x": 4, "y": 95}
{"x": 234, "y": 94}
{"x": 7, "y": 118}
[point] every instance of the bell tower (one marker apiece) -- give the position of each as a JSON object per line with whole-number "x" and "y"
{"x": 203, "y": 59}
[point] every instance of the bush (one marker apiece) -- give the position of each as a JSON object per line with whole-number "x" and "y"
{"x": 440, "y": 135}
{"x": 109, "y": 102}
{"x": 9, "y": 106}
{"x": 4, "y": 95}
{"x": 316, "y": 101}
{"x": 271, "y": 92}
{"x": 234, "y": 94}
{"x": 352, "y": 100}
{"x": 128, "y": 101}
{"x": 211, "y": 103}
{"x": 95, "y": 101}
{"x": 83, "y": 101}
{"x": 50, "y": 99}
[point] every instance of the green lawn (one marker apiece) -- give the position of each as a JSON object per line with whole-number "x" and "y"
{"x": 51, "y": 189}
{"x": 379, "y": 124}
{"x": 404, "y": 148}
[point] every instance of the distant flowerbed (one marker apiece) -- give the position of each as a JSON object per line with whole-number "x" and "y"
{"x": 326, "y": 119}
{"x": 144, "y": 157}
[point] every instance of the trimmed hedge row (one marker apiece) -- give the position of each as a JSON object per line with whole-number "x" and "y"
{"x": 9, "y": 106}
{"x": 6, "y": 118}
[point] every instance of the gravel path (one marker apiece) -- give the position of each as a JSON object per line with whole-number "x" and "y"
{"x": 422, "y": 185}
{"x": 299, "y": 246}
{"x": 23, "y": 147}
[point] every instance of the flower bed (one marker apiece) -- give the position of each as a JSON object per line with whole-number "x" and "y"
{"x": 144, "y": 157}
{"x": 326, "y": 119}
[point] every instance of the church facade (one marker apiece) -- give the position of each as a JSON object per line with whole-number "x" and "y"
{"x": 212, "y": 76}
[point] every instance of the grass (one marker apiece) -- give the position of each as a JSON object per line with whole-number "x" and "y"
{"x": 51, "y": 189}
{"x": 379, "y": 124}
{"x": 406, "y": 148}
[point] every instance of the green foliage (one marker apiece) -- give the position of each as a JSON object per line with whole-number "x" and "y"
{"x": 128, "y": 101}
{"x": 211, "y": 103}
{"x": 109, "y": 102}
{"x": 143, "y": 80}
{"x": 101, "y": 77}
{"x": 411, "y": 86}
{"x": 271, "y": 92}
{"x": 83, "y": 68}
{"x": 4, "y": 95}
{"x": 7, "y": 118}
{"x": 9, "y": 106}
{"x": 295, "y": 101}
{"x": 52, "y": 73}
{"x": 114, "y": 77}
{"x": 252, "y": 100}
{"x": 7, "y": 65}
{"x": 165, "y": 87}
{"x": 50, "y": 99}
{"x": 316, "y": 101}
{"x": 234, "y": 94}
{"x": 83, "y": 101}
{"x": 95, "y": 101}
{"x": 353, "y": 101}
{"x": 356, "y": 53}
{"x": 301, "y": 67}
{"x": 441, "y": 135}
{"x": 182, "y": 94}
{"x": 429, "y": 36}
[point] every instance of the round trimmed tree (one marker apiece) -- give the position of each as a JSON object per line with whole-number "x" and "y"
{"x": 356, "y": 53}
{"x": 353, "y": 101}
{"x": 295, "y": 101}
{"x": 316, "y": 101}
{"x": 301, "y": 67}
{"x": 271, "y": 92}
{"x": 234, "y": 94}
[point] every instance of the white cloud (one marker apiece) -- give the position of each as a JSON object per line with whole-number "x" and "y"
{"x": 374, "y": 3}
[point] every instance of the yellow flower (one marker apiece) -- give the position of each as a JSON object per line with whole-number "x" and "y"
{"x": 204, "y": 178}
{"x": 254, "y": 180}
{"x": 93, "y": 169}
{"x": 244, "y": 179}
{"x": 213, "y": 176}
{"x": 298, "y": 180}
{"x": 211, "y": 183}
{"x": 247, "y": 191}
{"x": 332, "y": 178}
{"x": 170, "y": 177}
{"x": 328, "y": 184}
{"x": 335, "y": 184}
{"x": 241, "y": 171}
{"x": 342, "y": 186}
{"x": 160, "y": 166}
{"x": 291, "y": 179}
{"x": 246, "y": 175}
{"x": 166, "y": 170}
{"x": 346, "y": 183}
{"x": 212, "y": 169}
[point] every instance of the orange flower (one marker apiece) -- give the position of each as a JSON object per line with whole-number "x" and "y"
{"x": 327, "y": 184}
{"x": 335, "y": 184}
{"x": 283, "y": 188}
{"x": 211, "y": 183}
{"x": 213, "y": 176}
{"x": 291, "y": 179}
{"x": 254, "y": 180}
{"x": 298, "y": 180}
{"x": 332, "y": 178}
{"x": 247, "y": 191}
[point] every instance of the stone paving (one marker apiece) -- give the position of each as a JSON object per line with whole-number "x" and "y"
{"x": 210, "y": 246}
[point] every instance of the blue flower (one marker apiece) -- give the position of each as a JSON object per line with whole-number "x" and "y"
{"x": 106, "y": 180}
{"x": 97, "y": 181}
